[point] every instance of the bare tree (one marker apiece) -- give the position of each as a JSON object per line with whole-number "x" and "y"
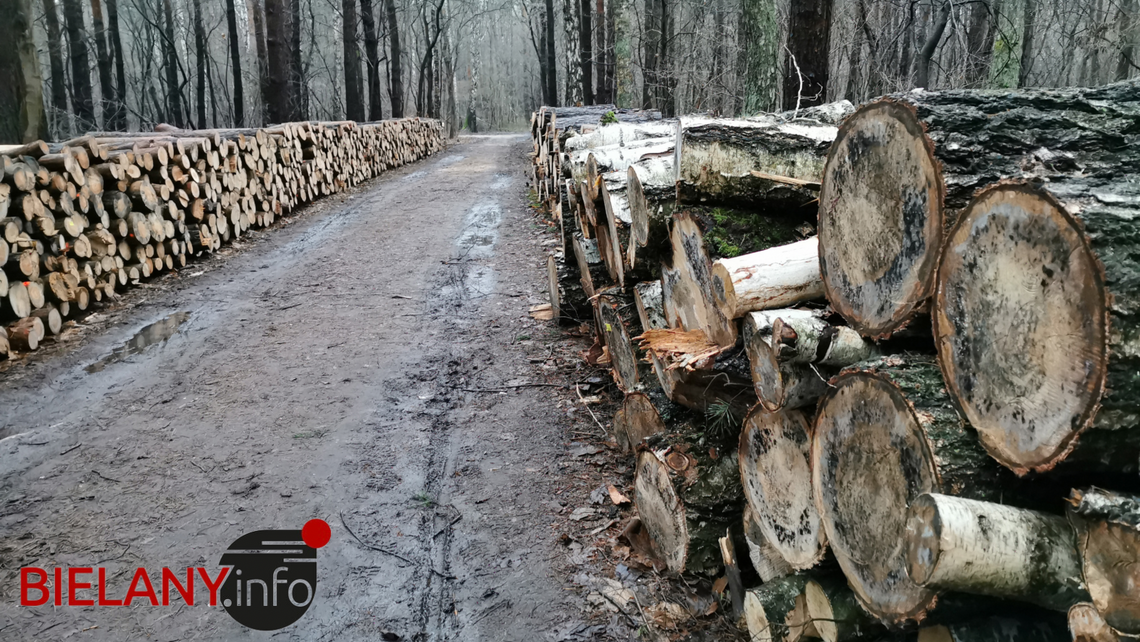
{"x": 55, "y": 56}
{"x": 235, "y": 60}
{"x": 396, "y": 74}
{"x": 278, "y": 99}
{"x": 81, "y": 100}
{"x": 354, "y": 102}
{"x": 372, "y": 55}
{"x": 806, "y": 71}
{"x": 21, "y": 96}
{"x": 119, "y": 116}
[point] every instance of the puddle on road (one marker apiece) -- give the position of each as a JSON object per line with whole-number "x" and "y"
{"x": 156, "y": 332}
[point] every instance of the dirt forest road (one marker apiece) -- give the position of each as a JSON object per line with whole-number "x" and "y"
{"x": 344, "y": 367}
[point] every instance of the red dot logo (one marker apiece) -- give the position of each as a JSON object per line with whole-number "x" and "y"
{"x": 316, "y": 533}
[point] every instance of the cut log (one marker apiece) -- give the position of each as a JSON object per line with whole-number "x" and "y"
{"x": 1108, "y": 537}
{"x": 618, "y": 134}
{"x": 766, "y": 608}
{"x": 836, "y": 613}
{"x": 880, "y": 218}
{"x": 19, "y": 302}
{"x": 687, "y": 285}
{"x": 1032, "y": 350}
{"x": 875, "y": 449}
{"x": 774, "y": 278}
{"x": 26, "y": 334}
{"x": 647, "y": 298}
{"x": 635, "y": 420}
{"x": 651, "y": 194}
{"x": 686, "y": 499}
{"x": 965, "y": 545}
{"x": 775, "y": 471}
{"x": 50, "y": 318}
{"x": 780, "y": 382}
{"x": 618, "y": 324}
{"x": 590, "y": 267}
{"x": 1086, "y": 625}
{"x": 746, "y": 162}
{"x": 766, "y": 560}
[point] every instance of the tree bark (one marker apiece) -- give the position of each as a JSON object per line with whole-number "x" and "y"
{"x": 551, "y": 60}
{"x": 397, "y": 83}
{"x": 279, "y": 98}
{"x": 1028, "y": 43}
{"x": 81, "y": 101}
{"x": 926, "y": 54}
{"x": 300, "y": 90}
{"x": 766, "y": 608}
{"x": 957, "y": 544}
{"x": 759, "y": 57}
{"x": 835, "y": 613}
{"x": 372, "y": 54}
{"x": 235, "y": 61}
{"x": 806, "y": 70}
{"x": 354, "y": 102}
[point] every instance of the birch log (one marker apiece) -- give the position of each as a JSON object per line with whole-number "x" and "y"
{"x": 965, "y": 545}
{"x": 774, "y": 278}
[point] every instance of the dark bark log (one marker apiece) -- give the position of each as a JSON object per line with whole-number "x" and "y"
{"x": 55, "y": 56}
{"x": 1043, "y": 353}
{"x": 806, "y": 70}
{"x": 397, "y": 74}
{"x": 1035, "y": 627}
{"x": 870, "y": 434}
{"x": 372, "y": 55}
{"x": 687, "y": 499}
{"x": 354, "y": 102}
{"x": 103, "y": 61}
{"x": 235, "y": 61}
{"x": 279, "y": 97}
{"x": 80, "y": 68}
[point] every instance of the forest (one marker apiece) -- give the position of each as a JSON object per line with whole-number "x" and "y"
{"x": 75, "y": 66}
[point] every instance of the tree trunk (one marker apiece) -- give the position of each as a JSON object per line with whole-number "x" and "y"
{"x": 600, "y": 95}
{"x": 651, "y": 37}
{"x": 279, "y": 98}
{"x": 806, "y": 70}
{"x": 200, "y": 50}
{"x": 1108, "y": 537}
{"x": 255, "y": 9}
{"x": 1129, "y": 33}
{"x": 22, "y": 117}
{"x": 80, "y": 69}
{"x": 1028, "y": 42}
{"x": 776, "y": 475}
{"x": 372, "y": 54}
{"x": 759, "y": 66}
{"x": 170, "y": 63}
{"x": 354, "y": 102}
{"x": 55, "y": 56}
{"x": 980, "y": 44}
{"x": 585, "y": 38}
{"x": 965, "y": 545}
{"x": 572, "y": 77}
{"x": 551, "y": 60}
{"x": 397, "y": 83}
{"x": 103, "y": 61}
{"x": 870, "y": 435}
{"x": 300, "y": 89}
{"x": 235, "y": 61}
{"x": 926, "y": 54}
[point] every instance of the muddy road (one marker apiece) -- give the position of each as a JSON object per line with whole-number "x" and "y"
{"x": 368, "y": 364}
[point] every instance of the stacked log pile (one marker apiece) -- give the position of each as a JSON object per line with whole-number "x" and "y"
{"x": 85, "y": 218}
{"x": 911, "y": 327}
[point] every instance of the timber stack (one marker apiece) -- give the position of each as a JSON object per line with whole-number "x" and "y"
{"x": 85, "y": 218}
{"x": 881, "y": 363}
